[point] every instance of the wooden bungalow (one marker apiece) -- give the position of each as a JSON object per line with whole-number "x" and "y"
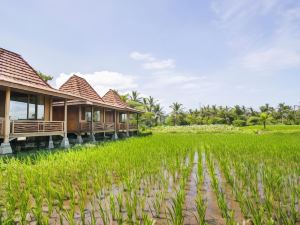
{"x": 124, "y": 116}
{"x": 91, "y": 114}
{"x": 26, "y": 103}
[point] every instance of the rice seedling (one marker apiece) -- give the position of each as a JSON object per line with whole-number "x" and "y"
{"x": 175, "y": 211}
{"x": 130, "y": 176}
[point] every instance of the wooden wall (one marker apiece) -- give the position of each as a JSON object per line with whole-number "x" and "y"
{"x": 47, "y": 108}
{"x": 58, "y": 113}
{"x": 73, "y": 118}
{"x": 109, "y": 116}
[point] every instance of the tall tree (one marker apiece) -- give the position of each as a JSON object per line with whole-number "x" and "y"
{"x": 176, "y": 111}
{"x": 134, "y": 96}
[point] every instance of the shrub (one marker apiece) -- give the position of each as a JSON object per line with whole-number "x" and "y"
{"x": 239, "y": 123}
{"x": 253, "y": 120}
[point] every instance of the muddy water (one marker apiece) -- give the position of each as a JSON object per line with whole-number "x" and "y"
{"x": 191, "y": 193}
{"x": 213, "y": 213}
{"x": 229, "y": 196}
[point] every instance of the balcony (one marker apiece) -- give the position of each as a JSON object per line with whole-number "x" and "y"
{"x": 86, "y": 127}
{"x": 27, "y": 128}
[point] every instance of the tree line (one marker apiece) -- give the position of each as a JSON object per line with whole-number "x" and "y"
{"x": 211, "y": 114}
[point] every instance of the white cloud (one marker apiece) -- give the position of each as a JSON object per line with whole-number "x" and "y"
{"x": 102, "y": 81}
{"x": 271, "y": 59}
{"x": 160, "y": 65}
{"x": 151, "y": 63}
{"x": 141, "y": 56}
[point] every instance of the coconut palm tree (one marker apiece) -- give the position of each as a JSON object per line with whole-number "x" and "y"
{"x": 151, "y": 103}
{"x": 176, "y": 111}
{"x": 158, "y": 113}
{"x": 264, "y": 117}
{"x": 134, "y": 96}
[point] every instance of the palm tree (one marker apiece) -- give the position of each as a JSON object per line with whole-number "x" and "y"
{"x": 151, "y": 103}
{"x": 264, "y": 117}
{"x": 134, "y": 96}
{"x": 176, "y": 111}
{"x": 158, "y": 113}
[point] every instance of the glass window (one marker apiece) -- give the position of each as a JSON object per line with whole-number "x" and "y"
{"x": 41, "y": 108}
{"x": 88, "y": 114}
{"x": 123, "y": 118}
{"x": 18, "y": 106}
{"x": 97, "y": 115}
{"x": 26, "y": 107}
{"x": 32, "y": 107}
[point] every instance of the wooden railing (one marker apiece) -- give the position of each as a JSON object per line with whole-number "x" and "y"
{"x": 85, "y": 126}
{"x": 109, "y": 126}
{"x": 133, "y": 127}
{"x": 98, "y": 126}
{"x": 28, "y": 127}
{"x": 122, "y": 126}
{"x": 1, "y": 126}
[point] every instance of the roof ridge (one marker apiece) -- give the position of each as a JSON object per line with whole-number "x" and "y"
{"x": 5, "y": 50}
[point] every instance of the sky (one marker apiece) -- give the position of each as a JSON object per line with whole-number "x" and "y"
{"x": 222, "y": 52}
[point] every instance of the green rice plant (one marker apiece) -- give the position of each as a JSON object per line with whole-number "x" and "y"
{"x": 147, "y": 220}
{"x": 83, "y": 197}
{"x": 201, "y": 209}
{"x": 119, "y": 218}
{"x": 103, "y": 214}
{"x": 112, "y": 205}
{"x": 175, "y": 211}
{"x": 37, "y": 208}
{"x": 24, "y": 206}
{"x": 156, "y": 204}
{"x": 130, "y": 210}
{"x": 120, "y": 201}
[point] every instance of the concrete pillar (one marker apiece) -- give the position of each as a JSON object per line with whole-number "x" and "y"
{"x": 115, "y": 135}
{"x": 5, "y": 147}
{"x": 79, "y": 139}
{"x": 51, "y": 144}
{"x": 65, "y": 142}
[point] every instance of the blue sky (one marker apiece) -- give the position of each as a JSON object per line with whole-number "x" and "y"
{"x": 222, "y": 52}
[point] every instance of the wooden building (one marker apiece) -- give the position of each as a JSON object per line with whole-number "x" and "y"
{"x": 92, "y": 114}
{"x": 124, "y": 115}
{"x": 26, "y": 103}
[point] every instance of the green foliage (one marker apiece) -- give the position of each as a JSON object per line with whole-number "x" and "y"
{"x": 239, "y": 123}
{"x": 44, "y": 76}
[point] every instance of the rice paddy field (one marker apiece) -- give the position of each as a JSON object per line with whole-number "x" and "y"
{"x": 166, "y": 178}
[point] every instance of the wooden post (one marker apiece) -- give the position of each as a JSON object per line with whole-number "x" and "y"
{"x": 51, "y": 144}
{"x": 79, "y": 137}
{"x": 92, "y": 125}
{"x": 51, "y": 110}
{"x": 127, "y": 124}
{"x": 104, "y": 125}
{"x": 137, "y": 122}
{"x": 5, "y": 147}
{"x": 65, "y": 141}
{"x": 115, "y": 135}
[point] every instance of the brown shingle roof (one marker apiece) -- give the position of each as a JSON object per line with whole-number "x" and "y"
{"x": 79, "y": 86}
{"x": 113, "y": 98}
{"x": 13, "y": 67}
{"x": 16, "y": 72}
